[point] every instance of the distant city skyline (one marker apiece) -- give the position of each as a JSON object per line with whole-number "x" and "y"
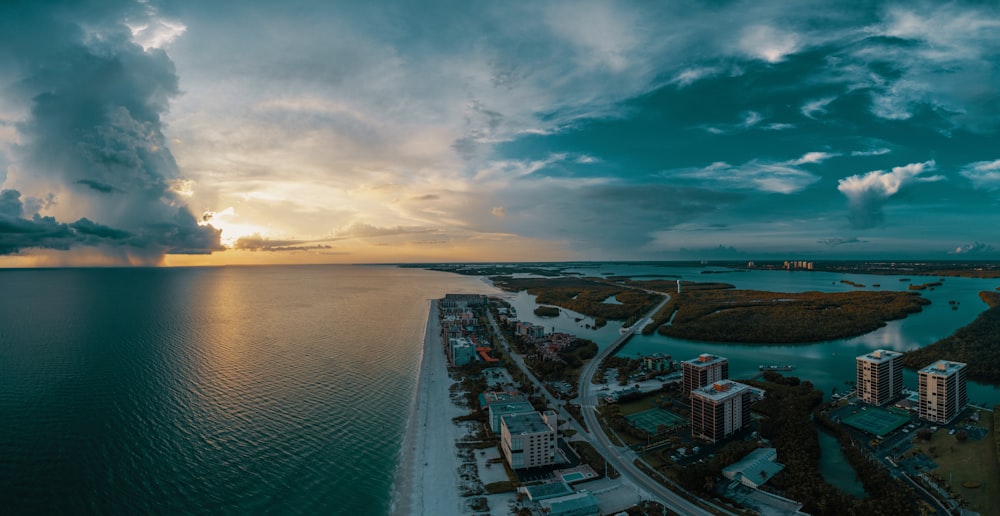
{"x": 162, "y": 132}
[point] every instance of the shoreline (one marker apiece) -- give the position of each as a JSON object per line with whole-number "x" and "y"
{"x": 426, "y": 480}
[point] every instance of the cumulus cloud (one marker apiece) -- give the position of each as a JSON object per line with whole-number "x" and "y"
{"x": 868, "y": 193}
{"x": 769, "y": 43}
{"x": 983, "y": 174}
{"x": 94, "y": 99}
{"x": 973, "y": 248}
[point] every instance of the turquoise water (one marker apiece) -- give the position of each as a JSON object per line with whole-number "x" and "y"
{"x": 828, "y": 365}
{"x": 284, "y": 389}
{"x": 231, "y": 390}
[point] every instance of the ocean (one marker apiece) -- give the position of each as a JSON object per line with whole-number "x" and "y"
{"x": 286, "y": 389}
{"x": 233, "y": 390}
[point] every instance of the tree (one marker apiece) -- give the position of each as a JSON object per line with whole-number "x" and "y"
{"x": 925, "y": 434}
{"x": 962, "y": 435}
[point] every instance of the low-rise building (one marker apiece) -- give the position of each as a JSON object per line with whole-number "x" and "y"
{"x": 656, "y": 362}
{"x": 462, "y": 351}
{"x": 528, "y": 440}
{"x": 581, "y": 503}
{"x": 526, "y": 329}
{"x": 497, "y": 377}
{"x": 463, "y": 300}
{"x": 755, "y": 468}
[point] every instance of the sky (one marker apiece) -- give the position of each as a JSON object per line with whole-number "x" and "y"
{"x": 314, "y": 131}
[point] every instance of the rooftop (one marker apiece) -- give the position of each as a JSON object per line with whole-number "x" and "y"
{"x": 511, "y": 408}
{"x": 576, "y": 503}
{"x": 548, "y": 490}
{"x": 489, "y": 398}
{"x": 879, "y": 356}
{"x": 526, "y": 423}
{"x": 721, "y": 390}
{"x": 460, "y": 342}
{"x": 758, "y": 466}
{"x": 705, "y": 360}
{"x": 943, "y": 367}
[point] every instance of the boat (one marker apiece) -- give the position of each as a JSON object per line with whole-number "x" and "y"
{"x": 624, "y": 330}
{"x": 776, "y": 367}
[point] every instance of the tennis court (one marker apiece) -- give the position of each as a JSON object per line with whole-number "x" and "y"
{"x": 876, "y": 421}
{"x": 650, "y": 420}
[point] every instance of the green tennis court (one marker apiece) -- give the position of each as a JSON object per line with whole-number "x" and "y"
{"x": 876, "y": 421}
{"x": 650, "y": 420}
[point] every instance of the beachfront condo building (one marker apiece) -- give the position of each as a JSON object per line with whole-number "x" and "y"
{"x": 528, "y": 439}
{"x": 462, "y": 351}
{"x": 704, "y": 370}
{"x": 719, "y": 410}
{"x": 499, "y": 410}
{"x": 879, "y": 376}
{"x": 941, "y": 391}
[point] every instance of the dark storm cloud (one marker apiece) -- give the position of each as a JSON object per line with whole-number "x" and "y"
{"x": 10, "y": 203}
{"x": 97, "y": 185}
{"x": 95, "y": 103}
{"x": 18, "y": 233}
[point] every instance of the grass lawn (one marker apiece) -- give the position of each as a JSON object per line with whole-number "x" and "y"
{"x": 971, "y": 461}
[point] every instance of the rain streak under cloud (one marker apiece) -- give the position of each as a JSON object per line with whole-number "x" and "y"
{"x": 150, "y": 132}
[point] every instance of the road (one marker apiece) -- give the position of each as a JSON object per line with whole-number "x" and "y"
{"x": 539, "y": 386}
{"x": 620, "y": 458}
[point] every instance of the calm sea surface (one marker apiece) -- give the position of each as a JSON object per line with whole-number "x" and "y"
{"x": 285, "y": 389}
{"x": 278, "y": 390}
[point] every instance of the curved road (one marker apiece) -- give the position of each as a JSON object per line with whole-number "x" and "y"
{"x": 623, "y": 458}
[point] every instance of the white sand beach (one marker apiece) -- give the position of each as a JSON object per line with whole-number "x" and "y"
{"x": 427, "y": 478}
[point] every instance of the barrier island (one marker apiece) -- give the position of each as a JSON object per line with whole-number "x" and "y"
{"x": 759, "y": 317}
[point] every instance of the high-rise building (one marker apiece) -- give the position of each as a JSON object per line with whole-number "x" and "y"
{"x": 719, "y": 410}
{"x": 704, "y": 370}
{"x": 528, "y": 440}
{"x": 879, "y": 376}
{"x": 941, "y": 390}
